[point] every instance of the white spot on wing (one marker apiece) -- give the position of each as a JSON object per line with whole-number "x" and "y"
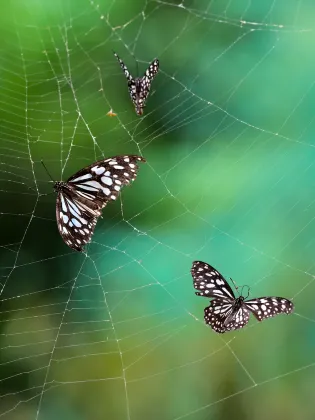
{"x": 94, "y": 184}
{"x": 76, "y": 222}
{"x": 81, "y": 178}
{"x": 107, "y": 180}
{"x": 63, "y": 204}
{"x": 98, "y": 170}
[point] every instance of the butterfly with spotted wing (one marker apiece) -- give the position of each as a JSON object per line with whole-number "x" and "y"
{"x": 139, "y": 87}
{"x": 82, "y": 197}
{"x": 226, "y": 312}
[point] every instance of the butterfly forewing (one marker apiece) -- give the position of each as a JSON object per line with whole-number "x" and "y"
{"x": 81, "y": 198}
{"x": 124, "y": 68}
{"x": 151, "y": 71}
{"x": 209, "y": 282}
{"x": 148, "y": 77}
{"x": 266, "y": 307}
{"x": 102, "y": 181}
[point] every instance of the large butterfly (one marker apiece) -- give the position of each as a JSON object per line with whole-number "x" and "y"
{"x": 81, "y": 198}
{"x": 225, "y": 312}
{"x": 139, "y": 87}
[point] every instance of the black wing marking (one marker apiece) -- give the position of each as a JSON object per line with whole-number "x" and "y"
{"x": 102, "y": 181}
{"x": 210, "y": 282}
{"x": 266, "y": 307}
{"x": 75, "y": 221}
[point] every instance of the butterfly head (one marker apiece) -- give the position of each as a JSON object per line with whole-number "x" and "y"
{"x": 59, "y": 186}
{"x": 239, "y": 301}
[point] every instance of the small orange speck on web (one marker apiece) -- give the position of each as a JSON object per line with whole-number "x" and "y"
{"x": 111, "y": 113}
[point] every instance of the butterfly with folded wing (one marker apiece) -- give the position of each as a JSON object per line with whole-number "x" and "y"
{"x": 82, "y": 197}
{"x": 139, "y": 87}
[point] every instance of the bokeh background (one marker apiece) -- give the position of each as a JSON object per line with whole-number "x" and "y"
{"x": 228, "y": 134}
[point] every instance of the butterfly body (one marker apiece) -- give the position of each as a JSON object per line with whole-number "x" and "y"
{"x": 139, "y": 87}
{"x": 236, "y": 306}
{"x": 226, "y": 312}
{"x": 82, "y": 197}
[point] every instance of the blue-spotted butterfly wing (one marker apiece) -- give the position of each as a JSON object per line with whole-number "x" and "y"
{"x": 75, "y": 220}
{"x": 266, "y": 307}
{"x": 81, "y": 198}
{"x": 223, "y": 316}
{"x": 210, "y": 283}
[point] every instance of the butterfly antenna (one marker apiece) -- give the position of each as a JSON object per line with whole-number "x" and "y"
{"x": 235, "y": 285}
{"x": 48, "y": 173}
{"x": 248, "y": 289}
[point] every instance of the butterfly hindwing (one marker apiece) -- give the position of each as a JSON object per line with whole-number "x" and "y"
{"x": 209, "y": 282}
{"x": 223, "y": 316}
{"x": 75, "y": 221}
{"x": 215, "y": 313}
{"x": 266, "y": 307}
{"x": 237, "y": 319}
{"x": 132, "y": 89}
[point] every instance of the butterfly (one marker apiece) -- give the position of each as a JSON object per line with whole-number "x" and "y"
{"x": 139, "y": 87}
{"x": 82, "y": 197}
{"x": 226, "y": 312}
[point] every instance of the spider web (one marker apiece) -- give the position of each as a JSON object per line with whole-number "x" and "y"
{"x": 228, "y": 134}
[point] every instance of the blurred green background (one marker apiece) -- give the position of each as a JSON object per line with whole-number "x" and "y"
{"x": 228, "y": 134}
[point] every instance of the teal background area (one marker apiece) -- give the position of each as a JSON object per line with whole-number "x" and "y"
{"x": 228, "y": 134}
